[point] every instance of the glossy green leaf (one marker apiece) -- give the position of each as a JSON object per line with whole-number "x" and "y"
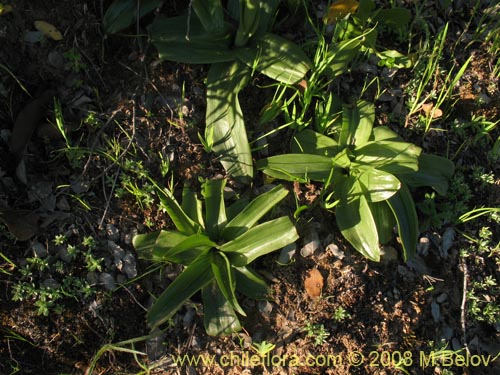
{"x": 276, "y": 57}
{"x": 224, "y": 276}
{"x": 194, "y": 277}
{"x": 191, "y": 205}
{"x": 144, "y": 243}
{"x": 403, "y": 208}
{"x": 350, "y": 120}
{"x": 183, "y": 252}
{"x": 215, "y": 210}
{"x": 302, "y": 167}
{"x": 218, "y": 315}
{"x": 250, "y": 283}
{"x": 341, "y": 54}
{"x": 310, "y": 142}
{"x": 355, "y": 221}
{"x": 210, "y": 13}
{"x": 181, "y": 220}
{"x": 434, "y": 171}
{"x": 225, "y": 119}
{"x": 253, "y": 212}
{"x": 384, "y": 220}
{"x": 366, "y": 113}
{"x": 175, "y": 41}
{"x": 123, "y": 13}
{"x": 389, "y": 156}
{"x": 260, "y": 240}
{"x": 383, "y": 133}
{"x": 235, "y": 208}
{"x": 396, "y": 18}
{"x": 378, "y": 185}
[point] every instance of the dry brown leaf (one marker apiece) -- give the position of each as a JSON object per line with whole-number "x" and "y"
{"x": 313, "y": 283}
{"x": 22, "y": 224}
{"x": 26, "y": 122}
{"x": 429, "y": 110}
{"x": 339, "y": 9}
{"x": 48, "y": 30}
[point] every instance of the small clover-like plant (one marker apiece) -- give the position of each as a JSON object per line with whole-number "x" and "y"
{"x": 369, "y": 171}
{"x": 216, "y": 245}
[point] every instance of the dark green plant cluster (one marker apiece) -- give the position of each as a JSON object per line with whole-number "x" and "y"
{"x": 367, "y": 172}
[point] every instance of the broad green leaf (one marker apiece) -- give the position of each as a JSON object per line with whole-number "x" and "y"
{"x": 210, "y": 13}
{"x": 434, "y": 171}
{"x": 249, "y": 21}
{"x": 383, "y": 133}
{"x": 310, "y": 142}
{"x": 123, "y": 13}
{"x": 276, "y": 57}
{"x": 355, "y": 221}
{"x": 366, "y": 113}
{"x": 253, "y": 212}
{"x": 175, "y": 41}
{"x": 394, "y": 59}
{"x": 301, "y": 167}
{"x": 250, "y": 283}
{"x": 389, "y": 156}
{"x": 340, "y": 55}
{"x": 384, "y": 220}
{"x": 378, "y": 185}
{"x": 260, "y": 240}
{"x": 267, "y": 15}
{"x": 403, "y": 208}
{"x": 365, "y": 10}
{"x": 191, "y": 205}
{"x": 224, "y": 276}
{"x": 357, "y": 124}
{"x": 194, "y": 277}
{"x": 183, "y": 252}
{"x": 144, "y": 243}
{"x": 218, "y": 315}
{"x": 234, "y": 209}
{"x": 350, "y": 120}
{"x": 215, "y": 210}
{"x": 182, "y": 222}
{"x": 225, "y": 119}
{"x": 396, "y": 18}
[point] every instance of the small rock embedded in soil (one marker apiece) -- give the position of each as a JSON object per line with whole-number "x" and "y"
{"x": 107, "y": 280}
{"x": 112, "y": 232}
{"x": 334, "y": 249}
{"x": 447, "y": 241}
{"x": 39, "y": 250}
{"x": 388, "y": 254}
{"x": 287, "y": 253}
{"x": 435, "y": 311}
{"x": 423, "y": 246}
{"x": 311, "y": 244}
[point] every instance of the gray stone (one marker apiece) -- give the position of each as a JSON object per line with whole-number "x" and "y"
{"x": 39, "y": 250}
{"x": 112, "y": 232}
{"x": 287, "y": 253}
{"x": 107, "y": 280}
{"x": 435, "y": 311}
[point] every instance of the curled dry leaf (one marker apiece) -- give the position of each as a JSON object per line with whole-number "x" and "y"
{"x": 313, "y": 283}
{"x": 48, "y": 30}
{"x": 429, "y": 110}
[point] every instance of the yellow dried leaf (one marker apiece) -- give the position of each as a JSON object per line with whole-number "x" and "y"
{"x": 4, "y": 9}
{"x": 341, "y": 8}
{"x": 48, "y": 30}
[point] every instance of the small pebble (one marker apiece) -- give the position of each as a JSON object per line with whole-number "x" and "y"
{"x": 112, "y": 232}
{"x": 287, "y": 253}
{"x": 447, "y": 241}
{"x": 436, "y": 311}
{"x": 442, "y": 297}
{"x": 423, "y": 246}
{"x": 265, "y": 307}
{"x": 336, "y": 252}
{"x": 311, "y": 244}
{"x": 107, "y": 280}
{"x": 39, "y": 250}
{"x": 388, "y": 254}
